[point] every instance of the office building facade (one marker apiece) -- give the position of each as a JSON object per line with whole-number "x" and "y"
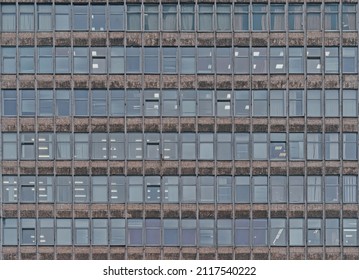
{"x": 179, "y": 129}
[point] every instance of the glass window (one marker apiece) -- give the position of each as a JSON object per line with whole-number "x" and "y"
{"x": 82, "y": 232}
{"x": 259, "y": 17}
{"x": 27, "y": 146}
{"x": 63, "y": 189}
{"x": 314, "y": 232}
{"x": 133, "y": 17}
{"x": 134, "y": 232}
{"x": 153, "y": 189}
{"x": 242, "y": 234}
{"x": 296, "y": 61}
{"x": 314, "y": 189}
{"x": 277, "y": 60}
{"x": 117, "y": 16}
{"x": 206, "y": 232}
{"x": 259, "y": 232}
{"x": 9, "y": 146}
{"x": 350, "y": 146}
{"x": 117, "y": 102}
{"x": 117, "y": 146}
{"x": 241, "y": 60}
{"x": 260, "y": 103}
{"x": 45, "y": 146}
{"x": 152, "y": 102}
{"x": 134, "y": 146}
{"x": 314, "y": 146}
{"x": 224, "y": 21}
{"x": 10, "y": 231}
{"x": 81, "y": 60}
{"x": 99, "y": 60}
{"x": 152, "y": 145}
{"x": 259, "y": 148}
{"x": 80, "y": 17}
{"x": 26, "y": 17}
{"x": 350, "y": 189}
{"x": 296, "y": 189}
{"x": 314, "y": 64}
{"x": 259, "y": 61}
{"x": 224, "y": 103}
{"x": 9, "y": 102}
{"x": 278, "y": 149}
{"x": 189, "y": 189}
{"x": 170, "y": 232}
{"x": 10, "y": 191}
{"x": 117, "y": 189}
{"x": 28, "y": 236}
{"x": 28, "y": 102}
{"x": 46, "y": 232}
{"x": 63, "y": 146}
{"x": 332, "y": 236}
{"x": 133, "y": 103}
{"x": 331, "y": 60}
{"x": 242, "y": 146}
{"x": 46, "y": 98}
{"x": 331, "y": 187}
{"x": 81, "y": 189}
{"x": 189, "y": 232}
{"x": 169, "y": 60}
{"x": 349, "y": 16}
{"x": 81, "y": 147}
{"x": 205, "y": 60}
{"x": 349, "y": 60}
{"x": 187, "y": 17}
{"x": 117, "y": 232}
{"x": 350, "y": 103}
{"x": 242, "y": 103}
{"x": 205, "y": 102}
{"x": 151, "y": 60}
{"x": 224, "y": 189}
{"x": 206, "y": 189}
{"x": 135, "y": 189}
{"x": 188, "y": 146}
{"x": 331, "y": 16}
{"x": 151, "y": 17}
{"x": 296, "y": 232}
{"x": 295, "y": 17}
{"x": 81, "y": 102}
{"x": 242, "y": 189}
{"x": 170, "y": 105}
{"x": 8, "y": 59}
{"x": 205, "y": 148}
{"x": 350, "y": 232}
{"x": 205, "y": 17}
{"x": 224, "y": 60}
{"x": 314, "y": 103}
{"x": 8, "y": 16}
{"x": 99, "y": 102}
{"x": 313, "y": 17}
{"x": 241, "y": 17}
{"x": 277, "y": 17}
{"x": 133, "y": 60}
{"x": 63, "y": 232}
{"x": 99, "y": 189}
{"x": 169, "y": 17}
{"x": 99, "y": 146}
{"x": 188, "y": 60}
{"x": 26, "y": 64}
{"x": 277, "y": 103}
{"x": 170, "y": 189}
{"x": 27, "y": 189}
{"x": 224, "y": 146}
{"x": 259, "y": 189}
{"x": 44, "y": 17}
{"x": 296, "y": 146}
{"x": 278, "y": 189}
{"x": 169, "y": 146}
{"x": 98, "y": 17}
{"x": 63, "y": 60}
{"x": 188, "y": 102}
{"x": 296, "y": 102}
{"x": 45, "y": 60}
{"x": 99, "y": 232}
{"x": 332, "y": 146}
{"x": 117, "y": 60}
{"x": 153, "y": 232}
{"x": 62, "y": 17}
{"x": 278, "y": 232}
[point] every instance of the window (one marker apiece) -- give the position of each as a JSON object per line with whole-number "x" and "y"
{"x": 117, "y": 189}
{"x": 331, "y": 60}
{"x": 26, "y": 17}
{"x": 296, "y": 232}
{"x": 277, "y": 19}
{"x": 46, "y": 98}
{"x": 8, "y": 15}
{"x": 169, "y": 17}
{"x": 350, "y": 103}
{"x": 62, "y": 17}
{"x": 169, "y": 146}
{"x": 242, "y": 103}
{"x": 81, "y": 189}
{"x": 117, "y": 146}
{"x": 188, "y": 60}
{"x": 295, "y": 17}
{"x": 278, "y": 189}
{"x": 63, "y": 232}
{"x": 331, "y": 103}
{"x": 314, "y": 64}
{"x": 224, "y": 60}
{"x": 188, "y": 146}
{"x": 46, "y": 232}
{"x": 63, "y": 60}
{"x": 224, "y": 146}
{"x": 296, "y": 189}
{"x": 8, "y": 59}
{"x": 169, "y": 60}
{"x": 206, "y": 189}
{"x": 332, "y": 146}
{"x": 349, "y": 60}
{"x": 349, "y": 16}
{"x": 259, "y": 61}
{"x": 170, "y": 105}
{"x": 259, "y": 189}
{"x": 45, "y": 60}
{"x": 133, "y": 103}
{"x": 82, "y": 232}
{"x": 313, "y": 17}
{"x": 80, "y": 17}
{"x": 331, "y": 16}
{"x": 134, "y": 232}
{"x": 117, "y": 102}
{"x": 350, "y": 189}
{"x": 151, "y": 17}
{"x": 331, "y": 187}
{"x": 99, "y": 232}
{"x": 99, "y": 146}
{"x": 45, "y": 189}
{"x": 99, "y": 189}
{"x": 133, "y": 17}
{"x": 332, "y": 236}
{"x": 206, "y": 232}
{"x": 9, "y": 146}
{"x": 259, "y": 17}
{"x": 81, "y": 60}
{"x": 224, "y": 21}
{"x": 296, "y": 146}
{"x": 63, "y": 189}
{"x": 27, "y": 189}
{"x": 134, "y": 146}
{"x": 98, "y": 17}
{"x": 27, "y": 63}
{"x": 81, "y": 147}
{"x": 224, "y": 189}
{"x": 314, "y": 146}
{"x": 296, "y": 103}
{"x": 28, "y": 102}
{"x": 295, "y": 60}
{"x": 153, "y": 189}
{"x": 27, "y": 148}
{"x": 10, "y": 232}
{"x": 242, "y": 189}
{"x": 242, "y": 235}
{"x": 350, "y": 232}
{"x": 314, "y": 232}
{"x": 81, "y": 102}
{"x": 277, "y": 60}
{"x": 241, "y": 61}
{"x": 277, "y": 103}
{"x": 152, "y": 102}
{"x": 205, "y": 148}
{"x": 117, "y": 15}
{"x": 151, "y": 60}
{"x": 205, "y": 102}
{"x": 135, "y": 189}
{"x": 189, "y": 188}
{"x": 28, "y": 236}
{"x": 260, "y": 103}
{"x": 241, "y": 17}
{"x": 205, "y": 17}
{"x": 99, "y": 60}
{"x": 133, "y": 60}
{"x": 260, "y": 232}
{"x": 117, "y": 60}
{"x": 278, "y": 150}
{"x": 189, "y": 232}
{"x": 45, "y": 146}
{"x": 170, "y": 189}
{"x": 152, "y": 142}
{"x": 314, "y": 103}
{"x": 205, "y": 60}
{"x": 259, "y": 148}
{"x": 9, "y": 102}
{"x": 314, "y": 189}
{"x": 63, "y": 146}
{"x": 10, "y": 190}
{"x": 170, "y": 232}
{"x": 117, "y": 232}
{"x": 278, "y": 232}
{"x": 153, "y": 232}
{"x": 350, "y": 146}
{"x": 224, "y": 103}
{"x": 187, "y": 17}
{"x": 99, "y": 102}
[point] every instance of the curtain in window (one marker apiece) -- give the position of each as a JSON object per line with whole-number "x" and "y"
{"x": 26, "y": 22}
{"x": 223, "y": 22}
{"x": 350, "y": 189}
{"x": 187, "y": 18}
{"x": 169, "y": 18}
{"x": 8, "y": 22}
{"x": 277, "y": 21}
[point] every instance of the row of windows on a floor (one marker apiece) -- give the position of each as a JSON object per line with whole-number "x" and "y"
{"x": 184, "y": 60}
{"x": 132, "y": 102}
{"x": 184, "y": 232}
{"x": 184, "y": 189}
{"x": 183, "y": 17}
{"x": 184, "y": 146}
